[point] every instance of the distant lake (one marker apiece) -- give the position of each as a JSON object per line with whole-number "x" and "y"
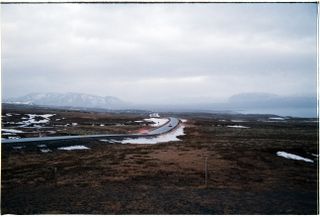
{"x": 295, "y": 112}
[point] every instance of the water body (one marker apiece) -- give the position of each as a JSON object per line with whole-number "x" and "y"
{"x": 294, "y": 112}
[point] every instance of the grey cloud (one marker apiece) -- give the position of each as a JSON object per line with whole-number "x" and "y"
{"x": 144, "y": 52}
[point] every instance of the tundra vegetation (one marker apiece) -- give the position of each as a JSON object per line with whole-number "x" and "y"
{"x": 245, "y": 175}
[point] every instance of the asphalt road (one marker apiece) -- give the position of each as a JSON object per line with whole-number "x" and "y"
{"x": 167, "y": 127}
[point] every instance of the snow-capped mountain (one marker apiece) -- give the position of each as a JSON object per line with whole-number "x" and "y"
{"x": 69, "y": 100}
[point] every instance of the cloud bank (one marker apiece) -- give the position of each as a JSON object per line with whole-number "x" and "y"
{"x": 160, "y": 53}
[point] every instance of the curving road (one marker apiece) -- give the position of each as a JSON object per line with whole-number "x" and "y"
{"x": 167, "y": 127}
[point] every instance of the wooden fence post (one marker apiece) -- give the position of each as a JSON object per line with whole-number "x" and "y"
{"x": 206, "y": 171}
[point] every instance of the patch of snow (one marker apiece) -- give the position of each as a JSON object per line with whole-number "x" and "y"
{"x": 223, "y": 120}
{"x": 13, "y": 137}
{"x": 73, "y": 147}
{"x": 31, "y": 119}
{"x": 139, "y": 121}
{"x": 45, "y": 150}
{"x": 157, "y": 121}
{"x": 315, "y": 155}
{"x": 238, "y": 121}
{"x": 42, "y": 146}
{"x": 293, "y": 156}
{"x": 46, "y": 116}
{"x": 238, "y": 126}
{"x": 18, "y": 147}
{"x": 277, "y": 118}
{"x": 11, "y": 122}
{"x": 183, "y": 120}
{"x": 8, "y": 115}
{"x": 5, "y": 134}
{"x": 58, "y": 119}
{"x": 110, "y": 140}
{"x": 11, "y": 131}
{"x": 168, "y": 137}
{"x": 154, "y": 115}
{"x": 101, "y": 125}
{"x": 74, "y": 124}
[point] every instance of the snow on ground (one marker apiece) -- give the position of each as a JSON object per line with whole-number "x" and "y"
{"x": 315, "y": 155}
{"x": 101, "y": 125}
{"x": 31, "y": 119}
{"x": 46, "y": 116}
{"x": 8, "y": 115}
{"x": 157, "y": 121}
{"x": 45, "y": 150}
{"x": 237, "y": 121}
{"x": 110, "y": 140}
{"x": 168, "y": 137}
{"x": 138, "y": 121}
{"x": 154, "y": 115}
{"x": 237, "y": 126}
{"x": 183, "y": 120}
{"x": 42, "y": 146}
{"x": 73, "y": 147}
{"x": 10, "y": 122}
{"x": 293, "y": 156}
{"x": 74, "y": 124}
{"x": 18, "y": 147}
{"x": 277, "y": 118}
{"x": 11, "y": 131}
{"x": 13, "y": 137}
{"x": 5, "y": 134}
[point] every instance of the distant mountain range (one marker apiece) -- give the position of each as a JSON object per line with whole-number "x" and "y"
{"x": 69, "y": 100}
{"x": 254, "y": 103}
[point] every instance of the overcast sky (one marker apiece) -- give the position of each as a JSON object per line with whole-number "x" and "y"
{"x": 159, "y": 52}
